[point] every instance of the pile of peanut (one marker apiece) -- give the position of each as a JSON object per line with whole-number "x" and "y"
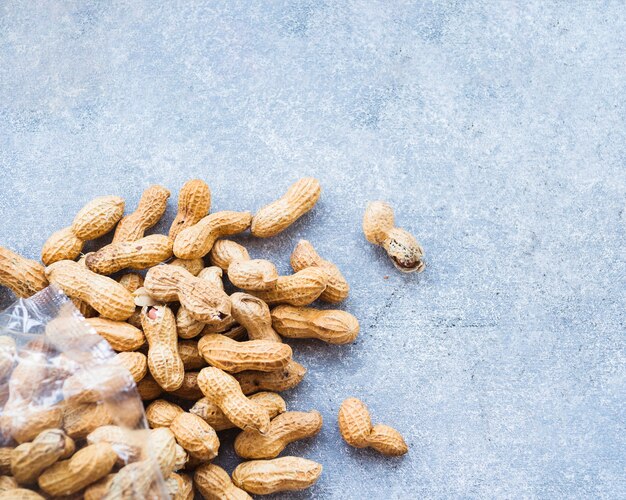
{"x": 203, "y": 361}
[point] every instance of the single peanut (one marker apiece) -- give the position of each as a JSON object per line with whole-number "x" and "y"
{"x": 165, "y": 365}
{"x": 254, "y": 315}
{"x": 25, "y": 277}
{"x": 135, "y": 362}
{"x": 232, "y": 356}
{"x": 243, "y": 272}
{"x": 197, "y": 240}
{"x": 126, "y": 443}
{"x": 223, "y": 390}
{"x": 87, "y": 466}
{"x": 225, "y": 252}
{"x": 332, "y": 326}
{"x": 189, "y": 389}
{"x": 140, "y": 254}
{"x": 402, "y": 247}
{"x": 151, "y": 208}
{"x": 196, "y": 436}
{"x": 204, "y": 302}
{"x": 280, "y": 380}
{"x": 214, "y": 483}
{"x": 194, "y": 203}
{"x": 215, "y": 417}
{"x": 189, "y": 354}
{"x": 28, "y": 460}
{"x": 105, "y": 295}
{"x": 356, "y": 429}
{"x": 304, "y": 255}
{"x": 263, "y": 477}
{"x": 280, "y": 214}
{"x": 161, "y": 413}
{"x": 284, "y": 429}
{"x": 95, "y": 219}
{"x": 299, "y": 289}
{"x": 121, "y": 335}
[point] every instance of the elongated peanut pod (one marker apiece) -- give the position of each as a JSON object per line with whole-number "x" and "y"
{"x": 279, "y": 215}
{"x": 196, "y": 436}
{"x": 197, "y": 240}
{"x": 194, "y": 203}
{"x": 213, "y": 482}
{"x": 254, "y": 315}
{"x": 232, "y": 356}
{"x": 121, "y": 335}
{"x": 23, "y": 276}
{"x": 223, "y": 390}
{"x": 28, "y": 460}
{"x": 263, "y": 477}
{"x": 95, "y": 219}
{"x": 105, "y": 295}
{"x": 151, "y": 208}
{"x": 204, "y": 301}
{"x": 284, "y": 429}
{"x": 403, "y": 249}
{"x": 304, "y": 255}
{"x": 332, "y": 326}
{"x": 140, "y": 254}
{"x": 299, "y": 289}
{"x": 281, "y": 380}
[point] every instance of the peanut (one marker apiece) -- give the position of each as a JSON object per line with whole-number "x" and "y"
{"x": 125, "y": 443}
{"x": 27, "y": 425}
{"x": 196, "y": 436}
{"x": 96, "y": 383}
{"x": 403, "y": 249}
{"x": 194, "y": 266}
{"x": 151, "y": 208}
{"x": 332, "y": 326}
{"x": 20, "y": 494}
{"x": 254, "y": 315}
{"x": 162, "y": 448}
{"x": 225, "y": 252}
{"x": 263, "y": 477}
{"x": 95, "y": 219}
{"x": 140, "y": 254}
{"x": 189, "y": 354}
{"x": 284, "y": 429}
{"x": 132, "y": 481}
{"x": 194, "y": 203}
{"x": 161, "y": 413}
{"x": 87, "y": 466}
{"x": 356, "y": 429}
{"x": 214, "y": 483}
{"x": 243, "y": 272}
{"x": 149, "y": 389}
{"x": 280, "y": 214}
{"x": 85, "y": 309}
{"x": 189, "y": 390}
{"x": 165, "y": 364}
{"x": 131, "y": 281}
{"x": 223, "y": 390}
{"x": 232, "y": 356}
{"x": 204, "y": 302}
{"x": 304, "y": 255}
{"x": 121, "y": 336}
{"x": 23, "y": 276}
{"x": 299, "y": 289}
{"x": 80, "y": 420}
{"x": 105, "y": 295}
{"x": 7, "y": 483}
{"x": 185, "y": 487}
{"x": 28, "y": 460}
{"x": 197, "y": 240}
{"x": 135, "y": 362}
{"x": 215, "y": 417}
{"x": 280, "y": 380}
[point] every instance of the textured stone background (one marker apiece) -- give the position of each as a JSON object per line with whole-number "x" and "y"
{"x": 497, "y": 130}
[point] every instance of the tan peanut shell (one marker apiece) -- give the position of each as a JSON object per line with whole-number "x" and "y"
{"x": 161, "y": 413}
{"x": 215, "y": 417}
{"x": 203, "y": 301}
{"x": 95, "y": 219}
{"x": 232, "y": 356}
{"x": 263, "y": 477}
{"x": 281, "y": 380}
{"x": 403, "y": 249}
{"x": 284, "y": 429}
{"x": 194, "y": 203}
{"x": 161, "y": 446}
{"x": 181, "y": 458}
{"x": 189, "y": 354}
{"x": 26, "y": 426}
{"x": 299, "y": 289}
{"x": 85, "y": 309}
{"x": 151, "y": 208}
{"x": 25, "y": 277}
{"x": 197, "y": 240}
{"x": 280, "y": 214}
{"x": 332, "y": 326}
{"x": 194, "y": 266}
{"x": 135, "y": 362}
{"x": 304, "y": 255}
{"x": 5, "y": 460}
{"x": 185, "y": 487}
{"x": 7, "y": 483}
{"x": 196, "y": 436}
{"x": 189, "y": 390}
{"x": 140, "y": 254}
{"x": 187, "y": 326}
{"x": 254, "y": 315}
{"x": 214, "y": 483}
{"x": 254, "y": 274}
{"x": 126, "y": 444}
{"x": 223, "y": 390}
{"x": 225, "y": 252}
{"x": 131, "y": 281}
{"x": 356, "y": 429}
{"x": 165, "y": 365}
{"x": 28, "y": 460}
{"x": 79, "y": 420}
{"x": 149, "y": 389}
{"x": 121, "y": 335}
{"x": 87, "y": 466}
{"x": 20, "y": 494}
{"x": 96, "y": 383}
{"x": 132, "y": 481}
{"x": 105, "y": 295}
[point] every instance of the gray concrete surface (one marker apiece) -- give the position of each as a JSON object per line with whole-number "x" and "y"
{"x": 496, "y": 129}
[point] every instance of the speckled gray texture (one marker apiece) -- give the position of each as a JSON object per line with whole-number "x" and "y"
{"x": 498, "y": 132}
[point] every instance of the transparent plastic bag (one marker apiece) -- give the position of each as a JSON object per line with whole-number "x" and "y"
{"x": 60, "y": 380}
